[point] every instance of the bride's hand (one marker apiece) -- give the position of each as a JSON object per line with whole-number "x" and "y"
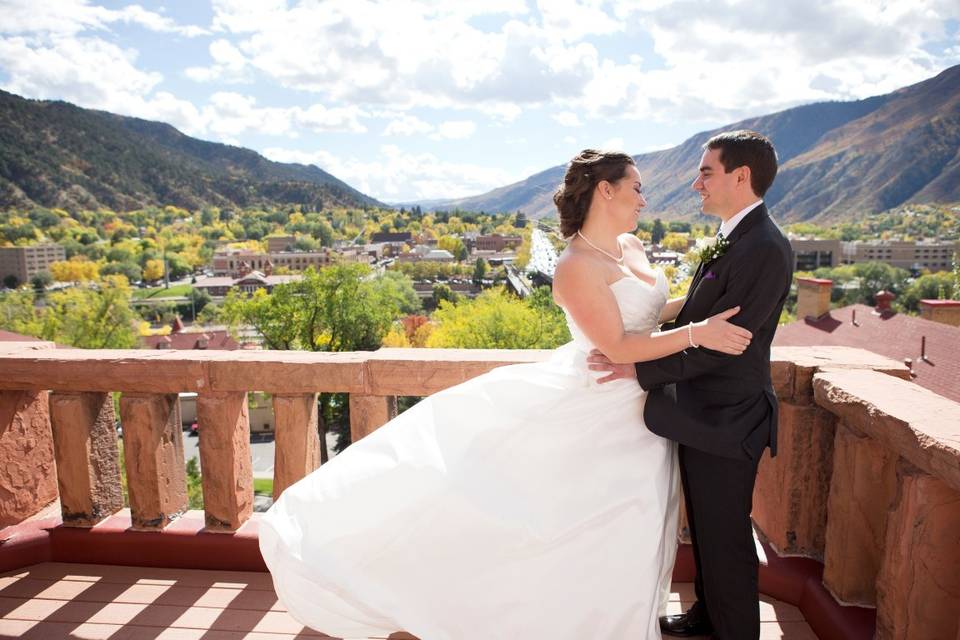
{"x": 719, "y": 335}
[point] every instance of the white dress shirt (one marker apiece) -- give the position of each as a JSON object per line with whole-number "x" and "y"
{"x": 727, "y": 226}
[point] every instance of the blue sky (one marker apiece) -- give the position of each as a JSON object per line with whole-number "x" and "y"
{"x": 410, "y": 100}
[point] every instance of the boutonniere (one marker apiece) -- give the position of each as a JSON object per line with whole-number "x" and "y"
{"x": 709, "y": 249}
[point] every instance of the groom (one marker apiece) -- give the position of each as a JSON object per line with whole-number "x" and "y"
{"x": 721, "y": 409}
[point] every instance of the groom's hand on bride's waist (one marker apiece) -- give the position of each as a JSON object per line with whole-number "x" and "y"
{"x": 599, "y": 362}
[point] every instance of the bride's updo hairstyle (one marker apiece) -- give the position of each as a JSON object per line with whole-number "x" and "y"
{"x": 573, "y": 197}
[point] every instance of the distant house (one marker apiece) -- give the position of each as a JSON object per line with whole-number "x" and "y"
{"x": 218, "y": 287}
{"x": 931, "y": 349}
{"x": 392, "y": 237}
{"x": 181, "y": 338}
{"x": 497, "y": 242}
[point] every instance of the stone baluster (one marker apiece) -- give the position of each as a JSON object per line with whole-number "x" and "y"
{"x": 28, "y": 477}
{"x": 790, "y": 498}
{"x": 153, "y": 455}
{"x": 861, "y": 492}
{"x": 297, "y": 443}
{"x": 369, "y": 413}
{"x": 225, "y": 459}
{"x": 88, "y": 462}
{"x": 918, "y": 585}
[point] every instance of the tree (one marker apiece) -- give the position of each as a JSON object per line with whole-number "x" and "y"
{"x": 199, "y": 298}
{"x": 153, "y": 270}
{"x": 658, "y": 231}
{"x": 443, "y": 293}
{"x": 18, "y": 314}
{"x": 497, "y": 320}
{"x": 41, "y": 280}
{"x": 92, "y": 318}
{"x": 676, "y": 242}
{"x": 339, "y": 308}
{"x": 76, "y": 269}
{"x": 399, "y": 288}
{"x": 455, "y": 246}
{"x": 927, "y": 287}
{"x": 130, "y": 270}
{"x": 11, "y": 281}
{"x": 479, "y": 270}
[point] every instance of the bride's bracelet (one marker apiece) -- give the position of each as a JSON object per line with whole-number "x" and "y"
{"x": 690, "y": 336}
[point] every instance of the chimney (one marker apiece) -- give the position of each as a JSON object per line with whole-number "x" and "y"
{"x": 813, "y": 297}
{"x": 943, "y": 311}
{"x": 177, "y": 325}
{"x": 883, "y": 298}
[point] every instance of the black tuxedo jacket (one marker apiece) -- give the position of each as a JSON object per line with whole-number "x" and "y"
{"x": 718, "y": 403}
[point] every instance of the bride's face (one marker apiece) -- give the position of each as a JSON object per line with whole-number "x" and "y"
{"x": 625, "y": 199}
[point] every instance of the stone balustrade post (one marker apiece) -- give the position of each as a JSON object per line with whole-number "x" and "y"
{"x": 368, "y": 413}
{"x": 225, "y": 459}
{"x": 88, "y": 461}
{"x": 153, "y": 456}
{"x": 297, "y": 440}
{"x": 918, "y": 585}
{"x": 861, "y": 492}
{"x": 28, "y": 476}
{"x": 895, "y": 505}
{"x": 790, "y": 498}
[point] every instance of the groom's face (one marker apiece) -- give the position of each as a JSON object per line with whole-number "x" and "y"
{"x": 717, "y": 188}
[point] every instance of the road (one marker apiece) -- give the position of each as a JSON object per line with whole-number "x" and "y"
{"x": 261, "y": 450}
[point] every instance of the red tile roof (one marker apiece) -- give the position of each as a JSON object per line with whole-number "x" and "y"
{"x": 10, "y": 336}
{"x": 220, "y": 340}
{"x": 890, "y": 334}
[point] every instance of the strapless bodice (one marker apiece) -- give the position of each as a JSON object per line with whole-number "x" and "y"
{"x": 640, "y": 305}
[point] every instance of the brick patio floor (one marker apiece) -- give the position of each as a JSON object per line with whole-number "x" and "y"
{"x": 53, "y": 601}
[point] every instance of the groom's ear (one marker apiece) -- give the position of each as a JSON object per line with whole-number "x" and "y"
{"x": 743, "y": 176}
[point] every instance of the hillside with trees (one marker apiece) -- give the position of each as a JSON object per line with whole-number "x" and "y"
{"x": 55, "y": 154}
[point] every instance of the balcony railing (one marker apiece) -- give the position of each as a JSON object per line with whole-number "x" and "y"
{"x": 866, "y": 487}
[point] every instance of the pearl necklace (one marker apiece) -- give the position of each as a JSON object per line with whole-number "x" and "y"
{"x": 606, "y": 253}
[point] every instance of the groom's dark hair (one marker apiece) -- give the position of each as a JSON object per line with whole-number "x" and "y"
{"x": 746, "y": 148}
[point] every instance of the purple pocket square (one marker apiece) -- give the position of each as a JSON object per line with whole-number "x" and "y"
{"x": 710, "y": 275}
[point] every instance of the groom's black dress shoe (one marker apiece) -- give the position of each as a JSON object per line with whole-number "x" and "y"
{"x": 686, "y": 624}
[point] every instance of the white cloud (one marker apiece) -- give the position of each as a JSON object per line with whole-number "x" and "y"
{"x": 69, "y": 17}
{"x": 90, "y": 71}
{"x": 455, "y": 130}
{"x": 404, "y": 54}
{"x": 796, "y": 52}
{"x": 567, "y": 119}
{"x": 229, "y": 64}
{"x": 232, "y": 114}
{"x": 407, "y": 125}
{"x": 613, "y": 144}
{"x": 398, "y": 176}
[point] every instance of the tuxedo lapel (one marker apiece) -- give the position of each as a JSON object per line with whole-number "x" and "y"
{"x": 751, "y": 219}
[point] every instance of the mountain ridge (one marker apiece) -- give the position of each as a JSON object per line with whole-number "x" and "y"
{"x": 837, "y": 159}
{"x": 56, "y": 154}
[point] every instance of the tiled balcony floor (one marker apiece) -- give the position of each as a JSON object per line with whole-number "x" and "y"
{"x": 51, "y": 601}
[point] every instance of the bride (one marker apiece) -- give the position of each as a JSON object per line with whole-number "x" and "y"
{"x": 526, "y": 502}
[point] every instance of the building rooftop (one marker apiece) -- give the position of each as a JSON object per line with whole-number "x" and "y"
{"x": 894, "y": 335}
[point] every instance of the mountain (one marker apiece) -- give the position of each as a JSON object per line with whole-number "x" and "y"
{"x": 837, "y": 160}
{"x": 56, "y": 154}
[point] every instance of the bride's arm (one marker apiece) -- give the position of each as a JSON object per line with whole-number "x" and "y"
{"x": 671, "y": 310}
{"x": 582, "y": 290}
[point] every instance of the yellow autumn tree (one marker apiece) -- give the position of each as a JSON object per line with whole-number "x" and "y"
{"x": 76, "y": 269}
{"x": 153, "y": 270}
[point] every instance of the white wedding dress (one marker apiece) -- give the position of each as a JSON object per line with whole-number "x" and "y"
{"x": 529, "y": 502}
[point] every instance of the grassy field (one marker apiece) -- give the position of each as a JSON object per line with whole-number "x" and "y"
{"x": 263, "y": 485}
{"x": 177, "y": 290}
